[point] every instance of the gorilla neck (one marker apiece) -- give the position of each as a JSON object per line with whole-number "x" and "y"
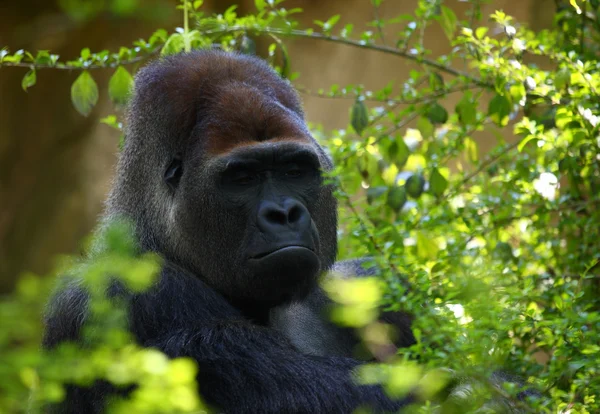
{"x": 258, "y": 311}
{"x": 255, "y": 311}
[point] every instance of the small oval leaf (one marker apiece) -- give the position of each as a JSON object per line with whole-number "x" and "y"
{"x": 359, "y": 118}
{"x": 448, "y": 21}
{"x": 415, "y": 185}
{"x": 28, "y": 80}
{"x": 260, "y": 4}
{"x": 436, "y": 82}
{"x": 499, "y": 110}
{"x": 173, "y": 45}
{"x": 467, "y": 110}
{"x": 437, "y": 183}
{"x": 437, "y": 114}
{"x": 119, "y": 86}
{"x": 398, "y": 152}
{"x": 84, "y": 93}
{"x": 425, "y": 127}
{"x": 396, "y": 198}
{"x": 471, "y": 149}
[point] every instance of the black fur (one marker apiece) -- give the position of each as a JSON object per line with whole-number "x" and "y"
{"x": 204, "y": 109}
{"x": 307, "y": 324}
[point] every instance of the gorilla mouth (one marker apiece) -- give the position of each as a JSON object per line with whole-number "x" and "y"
{"x": 292, "y": 248}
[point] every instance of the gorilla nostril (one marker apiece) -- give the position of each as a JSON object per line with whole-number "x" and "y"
{"x": 295, "y": 214}
{"x": 276, "y": 217}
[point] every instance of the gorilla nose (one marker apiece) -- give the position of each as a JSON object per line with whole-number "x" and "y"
{"x": 290, "y": 215}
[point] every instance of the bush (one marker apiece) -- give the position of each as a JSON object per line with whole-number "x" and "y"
{"x": 497, "y": 254}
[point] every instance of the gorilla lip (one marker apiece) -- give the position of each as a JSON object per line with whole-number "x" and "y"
{"x": 280, "y": 249}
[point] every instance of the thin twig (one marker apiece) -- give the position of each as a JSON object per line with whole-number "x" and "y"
{"x": 400, "y": 101}
{"x": 64, "y": 66}
{"x": 582, "y": 34}
{"x": 364, "y": 45}
{"x": 361, "y": 44}
{"x": 378, "y": 24}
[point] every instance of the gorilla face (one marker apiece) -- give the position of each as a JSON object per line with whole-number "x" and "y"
{"x": 224, "y": 178}
{"x": 250, "y": 212}
{"x": 248, "y": 224}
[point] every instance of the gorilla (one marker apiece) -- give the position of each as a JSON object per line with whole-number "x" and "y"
{"x": 221, "y": 177}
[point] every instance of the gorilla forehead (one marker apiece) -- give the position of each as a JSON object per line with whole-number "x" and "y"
{"x": 193, "y": 95}
{"x": 239, "y": 114}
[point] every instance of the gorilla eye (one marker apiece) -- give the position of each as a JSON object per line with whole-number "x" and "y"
{"x": 244, "y": 178}
{"x": 297, "y": 171}
{"x": 173, "y": 174}
{"x": 294, "y": 173}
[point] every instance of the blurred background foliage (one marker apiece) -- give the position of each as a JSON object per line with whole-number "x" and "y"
{"x": 465, "y": 135}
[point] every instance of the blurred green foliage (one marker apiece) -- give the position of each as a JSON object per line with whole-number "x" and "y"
{"x": 496, "y": 253}
{"x": 33, "y": 378}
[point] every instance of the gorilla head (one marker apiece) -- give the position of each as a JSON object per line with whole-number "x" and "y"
{"x": 221, "y": 176}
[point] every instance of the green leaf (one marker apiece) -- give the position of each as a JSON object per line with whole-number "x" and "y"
{"x": 437, "y": 183}
{"x": 396, "y": 198}
{"x": 562, "y": 78}
{"x": 29, "y": 79}
{"x": 471, "y": 149}
{"x": 260, "y": 4}
{"x": 437, "y": 114}
{"x": 448, "y": 22}
{"x": 120, "y": 85}
{"x": 285, "y": 57}
{"x": 427, "y": 248}
{"x": 43, "y": 57}
{"x": 562, "y": 117}
{"x": 436, "y": 82}
{"x": 375, "y": 192}
{"x": 158, "y": 36}
{"x": 15, "y": 58}
{"x": 112, "y": 121}
{"x": 480, "y": 32}
{"x": 359, "y": 118}
{"x": 517, "y": 92}
{"x": 503, "y": 251}
{"x": 425, "y": 127}
{"x": 367, "y": 165}
{"x": 524, "y": 142}
{"x": 347, "y": 30}
{"x": 85, "y": 53}
{"x": 467, "y": 110}
{"x": 499, "y": 110}
{"x": 174, "y": 44}
{"x": 415, "y": 185}
{"x": 331, "y": 22}
{"x": 398, "y": 152}
{"x": 84, "y": 93}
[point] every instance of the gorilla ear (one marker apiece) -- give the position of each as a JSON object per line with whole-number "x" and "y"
{"x": 173, "y": 173}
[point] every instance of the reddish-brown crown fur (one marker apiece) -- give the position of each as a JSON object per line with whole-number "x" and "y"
{"x": 226, "y": 100}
